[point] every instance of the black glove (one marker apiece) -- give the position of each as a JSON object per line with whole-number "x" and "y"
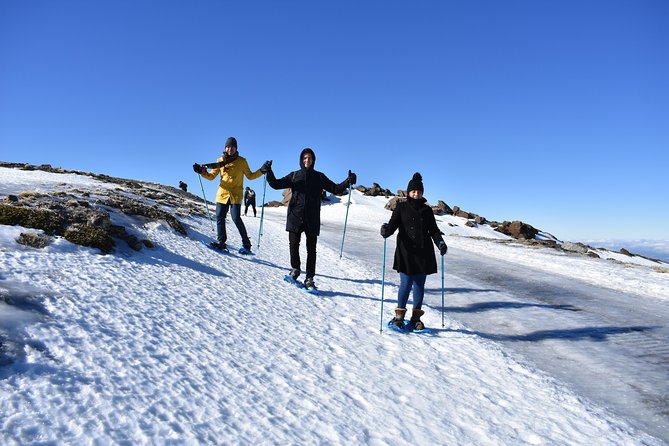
{"x": 352, "y": 178}
{"x": 442, "y": 247}
{"x": 384, "y": 231}
{"x": 266, "y": 167}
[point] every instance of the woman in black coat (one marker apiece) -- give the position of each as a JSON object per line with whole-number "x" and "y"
{"x": 414, "y": 255}
{"x": 304, "y": 210}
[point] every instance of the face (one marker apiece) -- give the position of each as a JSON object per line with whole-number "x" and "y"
{"x": 230, "y": 150}
{"x": 416, "y": 194}
{"x": 307, "y": 160}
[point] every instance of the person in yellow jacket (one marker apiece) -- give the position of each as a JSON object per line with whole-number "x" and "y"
{"x": 232, "y": 169}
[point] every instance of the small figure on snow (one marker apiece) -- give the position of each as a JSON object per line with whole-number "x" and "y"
{"x": 232, "y": 169}
{"x": 304, "y": 208}
{"x": 414, "y": 255}
{"x": 249, "y": 200}
{"x": 183, "y": 186}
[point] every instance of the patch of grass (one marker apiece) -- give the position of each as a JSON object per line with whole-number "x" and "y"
{"x": 48, "y": 221}
{"x": 90, "y": 236}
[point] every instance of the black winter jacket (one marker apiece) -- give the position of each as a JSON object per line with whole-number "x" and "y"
{"x": 307, "y": 185}
{"x": 414, "y": 253}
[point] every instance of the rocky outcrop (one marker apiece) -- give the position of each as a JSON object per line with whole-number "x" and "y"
{"x": 442, "y": 209}
{"x": 516, "y": 229}
{"x": 392, "y": 203}
{"x": 374, "y": 191}
{"x": 274, "y": 204}
{"x": 86, "y": 220}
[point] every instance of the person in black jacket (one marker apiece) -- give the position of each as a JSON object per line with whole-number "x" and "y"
{"x": 414, "y": 255}
{"x": 304, "y": 208}
{"x": 249, "y": 200}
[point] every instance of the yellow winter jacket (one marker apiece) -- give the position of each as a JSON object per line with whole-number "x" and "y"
{"x": 231, "y": 187}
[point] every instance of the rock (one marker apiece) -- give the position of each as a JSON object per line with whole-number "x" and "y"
{"x": 374, "y": 191}
{"x": 517, "y": 229}
{"x": 442, "y": 208}
{"x": 392, "y": 203}
{"x": 575, "y": 247}
{"x": 33, "y": 240}
{"x": 460, "y": 213}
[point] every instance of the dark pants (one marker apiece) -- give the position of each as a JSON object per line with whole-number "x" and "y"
{"x": 294, "y": 239}
{"x": 407, "y": 282}
{"x": 236, "y": 215}
{"x": 253, "y": 205}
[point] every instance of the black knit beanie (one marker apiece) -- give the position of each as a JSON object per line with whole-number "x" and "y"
{"x": 416, "y": 183}
{"x": 231, "y": 142}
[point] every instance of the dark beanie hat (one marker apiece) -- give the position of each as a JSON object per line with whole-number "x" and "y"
{"x": 231, "y": 142}
{"x": 416, "y": 183}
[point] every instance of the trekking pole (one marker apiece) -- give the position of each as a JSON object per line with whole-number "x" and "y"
{"x": 206, "y": 206}
{"x": 442, "y": 292}
{"x": 383, "y": 282}
{"x": 341, "y": 251}
{"x": 262, "y": 208}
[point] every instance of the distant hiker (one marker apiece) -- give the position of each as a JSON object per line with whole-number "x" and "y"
{"x": 232, "y": 169}
{"x": 304, "y": 208}
{"x": 249, "y": 200}
{"x": 414, "y": 255}
{"x": 183, "y": 186}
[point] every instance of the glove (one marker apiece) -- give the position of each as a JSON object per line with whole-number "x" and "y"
{"x": 442, "y": 247}
{"x": 352, "y": 178}
{"x": 197, "y": 168}
{"x": 384, "y": 231}
{"x": 266, "y": 167}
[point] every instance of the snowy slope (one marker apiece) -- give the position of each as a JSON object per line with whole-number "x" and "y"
{"x": 182, "y": 345}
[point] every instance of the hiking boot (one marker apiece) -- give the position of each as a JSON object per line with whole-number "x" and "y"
{"x": 294, "y": 273}
{"x": 415, "y": 321}
{"x": 218, "y": 246}
{"x": 309, "y": 283}
{"x": 398, "y": 320}
{"x": 245, "y": 251}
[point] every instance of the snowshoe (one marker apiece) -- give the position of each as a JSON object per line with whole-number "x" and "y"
{"x": 310, "y": 286}
{"x": 218, "y": 246}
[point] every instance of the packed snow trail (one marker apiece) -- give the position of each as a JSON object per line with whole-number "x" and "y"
{"x": 181, "y": 345}
{"x": 608, "y": 345}
{"x": 587, "y": 336}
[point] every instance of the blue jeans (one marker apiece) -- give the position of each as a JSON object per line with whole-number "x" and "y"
{"x": 236, "y": 214}
{"x": 407, "y": 282}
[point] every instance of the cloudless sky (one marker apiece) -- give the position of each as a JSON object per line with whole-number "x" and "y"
{"x": 555, "y": 113}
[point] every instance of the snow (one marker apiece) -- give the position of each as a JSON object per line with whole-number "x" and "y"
{"x": 182, "y": 345}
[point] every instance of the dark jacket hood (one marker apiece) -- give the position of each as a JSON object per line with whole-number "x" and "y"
{"x": 307, "y": 150}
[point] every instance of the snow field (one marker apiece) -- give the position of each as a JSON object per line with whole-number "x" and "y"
{"x": 183, "y": 345}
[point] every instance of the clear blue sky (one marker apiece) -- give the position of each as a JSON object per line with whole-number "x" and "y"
{"x": 551, "y": 112}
